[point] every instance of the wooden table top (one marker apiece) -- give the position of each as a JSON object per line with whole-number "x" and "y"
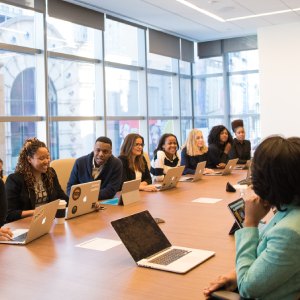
{"x": 52, "y": 266}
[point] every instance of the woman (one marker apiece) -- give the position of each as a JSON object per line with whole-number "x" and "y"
{"x": 5, "y": 233}
{"x": 219, "y": 145}
{"x": 165, "y": 156}
{"x": 241, "y": 148}
{"x": 267, "y": 262}
{"x": 134, "y": 162}
{"x": 34, "y": 183}
{"x": 1, "y": 168}
{"x": 193, "y": 151}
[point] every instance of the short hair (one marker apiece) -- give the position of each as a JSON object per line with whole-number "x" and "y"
{"x": 275, "y": 171}
{"x": 214, "y": 135}
{"x": 162, "y": 141}
{"x": 104, "y": 139}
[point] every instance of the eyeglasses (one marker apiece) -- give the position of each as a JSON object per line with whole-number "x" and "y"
{"x": 138, "y": 145}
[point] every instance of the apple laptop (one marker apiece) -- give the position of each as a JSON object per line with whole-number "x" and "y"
{"x": 228, "y": 168}
{"x": 170, "y": 179}
{"x": 150, "y": 248}
{"x": 41, "y": 223}
{"x": 248, "y": 179}
{"x": 198, "y": 173}
{"x": 245, "y": 166}
{"x": 128, "y": 195}
{"x": 83, "y": 198}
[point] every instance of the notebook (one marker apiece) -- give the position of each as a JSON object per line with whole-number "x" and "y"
{"x": 40, "y": 224}
{"x": 128, "y": 195}
{"x": 227, "y": 170}
{"x": 198, "y": 173}
{"x": 171, "y": 179}
{"x": 150, "y": 248}
{"x": 83, "y": 198}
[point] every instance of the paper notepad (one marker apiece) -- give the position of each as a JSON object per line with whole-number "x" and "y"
{"x": 99, "y": 244}
{"x": 207, "y": 200}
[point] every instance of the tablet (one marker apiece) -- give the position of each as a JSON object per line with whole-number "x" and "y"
{"x": 237, "y": 208}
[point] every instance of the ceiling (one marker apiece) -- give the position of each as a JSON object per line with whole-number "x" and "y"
{"x": 175, "y": 18}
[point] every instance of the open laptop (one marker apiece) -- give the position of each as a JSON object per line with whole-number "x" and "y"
{"x": 83, "y": 198}
{"x": 128, "y": 195}
{"x": 150, "y": 248}
{"x": 171, "y": 179}
{"x": 41, "y": 223}
{"x": 245, "y": 166}
{"x": 248, "y": 179}
{"x": 227, "y": 170}
{"x": 198, "y": 173}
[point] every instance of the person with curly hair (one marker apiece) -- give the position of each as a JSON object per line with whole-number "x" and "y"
{"x": 219, "y": 146}
{"x": 165, "y": 156}
{"x": 267, "y": 264}
{"x": 134, "y": 163}
{"x": 33, "y": 183}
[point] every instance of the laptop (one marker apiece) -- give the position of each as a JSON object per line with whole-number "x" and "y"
{"x": 128, "y": 195}
{"x": 83, "y": 198}
{"x": 171, "y": 179}
{"x": 248, "y": 179}
{"x": 227, "y": 170}
{"x": 150, "y": 248}
{"x": 40, "y": 224}
{"x": 198, "y": 173}
{"x": 245, "y": 166}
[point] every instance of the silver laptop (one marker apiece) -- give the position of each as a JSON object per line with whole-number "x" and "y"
{"x": 171, "y": 179}
{"x": 83, "y": 198}
{"x": 198, "y": 173}
{"x": 248, "y": 179}
{"x": 150, "y": 248}
{"x": 41, "y": 223}
{"x": 228, "y": 168}
{"x": 128, "y": 195}
{"x": 245, "y": 166}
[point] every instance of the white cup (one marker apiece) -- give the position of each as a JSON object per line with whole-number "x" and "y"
{"x": 61, "y": 212}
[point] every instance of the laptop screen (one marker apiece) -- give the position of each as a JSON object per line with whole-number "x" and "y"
{"x": 141, "y": 235}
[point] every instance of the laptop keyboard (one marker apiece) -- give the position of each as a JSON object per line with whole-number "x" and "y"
{"x": 169, "y": 257}
{"x": 20, "y": 238}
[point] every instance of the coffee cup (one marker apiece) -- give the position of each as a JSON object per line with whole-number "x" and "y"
{"x": 61, "y": 212}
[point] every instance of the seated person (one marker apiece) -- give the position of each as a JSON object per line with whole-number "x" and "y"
{"x": 1, "y": 168}
{"x": 98, "y": 165}
{"x": 5, "y": 233}
{"x": 219, "y": 145}
{"x": 240, "y": 148}
{"x": 193, "y": 151}
{"x": 134, "y": 162}
{"x": 33, "y": 183}
{"x": 165, "y": 156}
{"x": 267, "y": 261}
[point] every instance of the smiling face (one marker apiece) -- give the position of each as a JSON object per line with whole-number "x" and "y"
{"x": 170, "y": 146}
{"x": 199, "y": 140}
{"x": 40, "y": 160}
{"x": 240, "y": 133}
{"x": 137, "y": 148}
{"x": 223, "y": 136}
{"x": 102, "y": 152}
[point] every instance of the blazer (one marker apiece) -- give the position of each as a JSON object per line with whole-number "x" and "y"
{"x": 129, "y": 174}
{"x": 216, "y": 155}
{"x": 239, "y": 150}
{"x": 20, "y": 197}
{"x": 190, "y": 162}
{"x": 3, "y": 203}
{"x": 267, "y": 262}
{"x": 110, "y": 176}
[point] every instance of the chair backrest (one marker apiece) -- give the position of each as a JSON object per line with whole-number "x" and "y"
{"x": 63, "y": 168}
{"x": 147, "y": 159}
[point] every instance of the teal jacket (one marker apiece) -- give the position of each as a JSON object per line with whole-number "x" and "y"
{"x": 268, "y": 262}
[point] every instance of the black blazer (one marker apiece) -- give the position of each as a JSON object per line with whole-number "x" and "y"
{"x": 20, "y": 197}
{"x": 242, "y": 151}
{"x": 3, "y": 203}
{"x": 129, "y": 174}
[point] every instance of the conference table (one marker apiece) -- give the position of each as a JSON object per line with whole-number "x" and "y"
{"x": 54, "y": 267}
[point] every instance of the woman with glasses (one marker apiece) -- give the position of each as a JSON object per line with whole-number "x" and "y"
{"x": 134, "y": 162}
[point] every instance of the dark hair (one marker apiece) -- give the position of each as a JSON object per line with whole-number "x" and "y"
{"x": 162, "y": 141}
{"x": 24, "y": 167}
{"x": 126, "y": 151}
{"x": 275, "y": 171}
{"x": 214, "y": 135}
{"x": 104, "y": 139}
{"x": 1, "y": 171}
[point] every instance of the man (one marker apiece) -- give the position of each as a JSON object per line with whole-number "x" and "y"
{"x": 98, "y": 165}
